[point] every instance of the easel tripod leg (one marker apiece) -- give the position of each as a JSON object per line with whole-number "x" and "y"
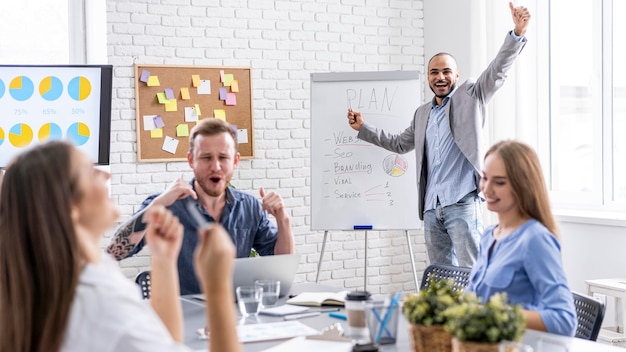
{"x": 408, "y": 241}
{"x": 319, "y": 263}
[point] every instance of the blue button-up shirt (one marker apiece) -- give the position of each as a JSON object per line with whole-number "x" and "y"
{"x": 450, "y": 175}
{"x": 527, "y": 266}
{"x": 242, "y": 217}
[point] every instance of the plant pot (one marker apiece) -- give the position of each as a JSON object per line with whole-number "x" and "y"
{"x": 470, "y": 346}
{"x": 430, "y": 338}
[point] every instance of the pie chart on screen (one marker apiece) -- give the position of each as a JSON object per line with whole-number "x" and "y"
{"x": 395, "y": 165}
{"x": 79, "y": 88}
{"x": 50, "y": 131}
{"x": 1, "y": 88}
{"x": 21, "y": 88}
{"x": 78, "y": 133}
{"x": 20, "y": 135}
{"x": 50, "y": 88}
{"x": 1, "y": 136}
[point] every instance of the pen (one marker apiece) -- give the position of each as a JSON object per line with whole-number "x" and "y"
{"x": 324, "y": 310}
{"x": 338, "y": 316}
{"x": 303, "y": 315}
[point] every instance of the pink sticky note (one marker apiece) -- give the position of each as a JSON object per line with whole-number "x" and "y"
{"x": 231, "y": 99}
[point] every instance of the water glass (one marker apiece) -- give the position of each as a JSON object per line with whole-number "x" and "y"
{"x": 271, "y": 290}
{"x": 249, "y": 299}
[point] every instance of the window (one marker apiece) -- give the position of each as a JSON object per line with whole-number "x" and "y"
{"x": 587, "y": 104}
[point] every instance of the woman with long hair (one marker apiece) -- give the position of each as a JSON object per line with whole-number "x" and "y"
{"x": 60, "y": 292}
{"x": 521, "y": 254}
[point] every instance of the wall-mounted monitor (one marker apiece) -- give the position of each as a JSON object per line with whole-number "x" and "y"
{"x": 39, "y": 103}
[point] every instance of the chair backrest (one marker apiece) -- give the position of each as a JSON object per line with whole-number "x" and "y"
{"x": 143, "y": 280}
{"x": 590, "y": 313}
{"x": 443, "y": 272}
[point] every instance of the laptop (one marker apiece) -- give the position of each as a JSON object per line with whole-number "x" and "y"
{"x": 281, "y": 267}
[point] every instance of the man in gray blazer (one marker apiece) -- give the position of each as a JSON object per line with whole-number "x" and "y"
{"x": 446, "y": 134}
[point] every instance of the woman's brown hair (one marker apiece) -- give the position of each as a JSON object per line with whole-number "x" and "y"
{"x": 524, "y": 172}
{"x": 40, "y": 260}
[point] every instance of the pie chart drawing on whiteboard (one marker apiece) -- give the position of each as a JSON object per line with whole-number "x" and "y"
{"x": 20, "y": 135}
{"x": 50, "y": 88}
{"x": 1, "y": 88}
{"x": 79, "y": 88}
{"x": 78, "y": 133}
{"x": 395, "y": 165}
{"x": 21, "y": 88}
{"x": 49, "y": 131}
{"x": 1, "y": 136}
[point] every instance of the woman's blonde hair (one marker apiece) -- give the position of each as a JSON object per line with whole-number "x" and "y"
{"x": 526, "y": 178}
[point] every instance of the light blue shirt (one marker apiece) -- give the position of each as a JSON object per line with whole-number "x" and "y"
{"x": 450, "y": 174}
{"x": 527, "y": 266}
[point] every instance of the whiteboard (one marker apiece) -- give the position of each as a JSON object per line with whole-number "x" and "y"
{"x": 353, "y": 182}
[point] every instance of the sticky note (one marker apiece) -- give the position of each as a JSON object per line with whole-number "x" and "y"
{"x": 205, "y": 86}
{"x": 161, "y": 98}
{"x": 190, "y": 114}
{"x": 221, "y": 75}
{"x": 182, "y": 130}
{"x": 231, "y": 99}
{"x": 158, "y": 133}
{"x": 219, "y": 114}
{"x": 184, "y": 93}
{"x": 195, "y": 80}
{"x": 153, "y": 81}
{"x": 169, "y": 93}
{"x": 223, "y": 92}
{"x": 228, "y": 78}
{"x": 145, "y": 75}
{"x": 148, "y": 122}
{"x": 158, "y": 121}
{"x": 234, "y": 86}
{"x": 170, "y": 144}
{"x": 242, "y": 136}
{"x": 198, "y": 110}
{"x": 171, "y": 105}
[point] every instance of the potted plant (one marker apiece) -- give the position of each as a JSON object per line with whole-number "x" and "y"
{"x": 425, "y": 313}
{"x": 478, "y": 327}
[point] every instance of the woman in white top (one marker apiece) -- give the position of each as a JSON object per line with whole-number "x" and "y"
{"x": 60, "y": 292}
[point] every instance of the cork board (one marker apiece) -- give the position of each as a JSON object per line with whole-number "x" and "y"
{"x": 168, "y": 98}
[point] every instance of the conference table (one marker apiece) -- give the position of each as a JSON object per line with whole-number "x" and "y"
{"x": 194, "y": 315}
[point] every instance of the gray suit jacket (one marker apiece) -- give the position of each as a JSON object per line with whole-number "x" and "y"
{"x": 466, "y": 111}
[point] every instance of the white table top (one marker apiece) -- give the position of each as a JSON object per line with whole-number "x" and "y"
{"x": 194, "y": 315}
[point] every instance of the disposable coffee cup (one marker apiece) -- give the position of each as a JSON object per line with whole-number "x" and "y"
{"x": 355, "y": 311}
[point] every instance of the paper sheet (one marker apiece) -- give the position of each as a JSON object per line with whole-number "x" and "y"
{"x": 302, "y": 344}
{"x": 273, "y": 331}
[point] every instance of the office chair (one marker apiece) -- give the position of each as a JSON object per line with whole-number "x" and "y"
{"x": 143, "y": 280}
{"x": 443, "y": 272}
{"x": 590, "y": 313}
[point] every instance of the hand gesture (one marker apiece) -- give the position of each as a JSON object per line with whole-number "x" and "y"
{"x": 164, "y": 234}
{"x": 273, "y": 204}
{"x": 213, "y": 258}
{"x": 521, "y": 17}
{"x": 178, "y": 189}
{"x": 355, "y": 119}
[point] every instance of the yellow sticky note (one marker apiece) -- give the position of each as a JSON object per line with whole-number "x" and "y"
{"x": 227, "y": 79}
{"x": 182, "y": 130}
{"x": 156, "y": 133}
{"x": 234, "y": 86}
{"x": 198, "y": 110}
{"x": 162, "y": 98}
{"x": 195, "y": 79}
{"x": 171, "y": 105}
{"x": 153, "y": 81}
{"x": 219, "y": 114}
{"x": 184, "y": 93}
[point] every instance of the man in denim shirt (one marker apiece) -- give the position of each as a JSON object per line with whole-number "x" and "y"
{"x": 446, "y": 135}
{"x": 213, "y": 157}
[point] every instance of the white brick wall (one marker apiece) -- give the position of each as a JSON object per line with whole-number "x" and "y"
{"x": 283, "y": 42}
